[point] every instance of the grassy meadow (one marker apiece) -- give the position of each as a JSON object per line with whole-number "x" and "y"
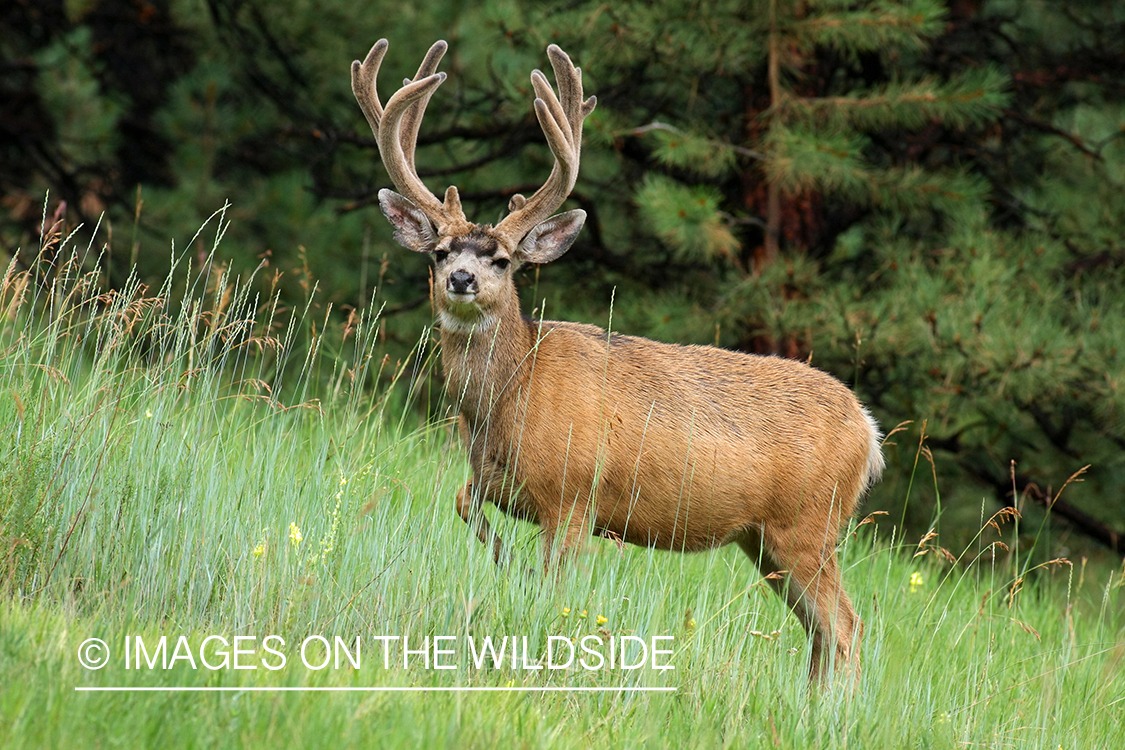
{"x": 194, "y": 461}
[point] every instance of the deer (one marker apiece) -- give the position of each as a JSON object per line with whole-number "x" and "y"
{"x": 583, "y": 431}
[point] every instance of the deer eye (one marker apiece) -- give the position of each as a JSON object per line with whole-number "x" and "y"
{"x": 501, "y": 263}
{"x": 440, "y": 256}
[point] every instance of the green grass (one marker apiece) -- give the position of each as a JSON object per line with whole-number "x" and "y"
{"x": 157, "y": 449}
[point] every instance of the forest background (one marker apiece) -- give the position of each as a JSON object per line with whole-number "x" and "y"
{"x": 926, "y": 199}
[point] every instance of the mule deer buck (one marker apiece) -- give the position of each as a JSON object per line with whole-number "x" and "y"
{"x": 676, "y": 447}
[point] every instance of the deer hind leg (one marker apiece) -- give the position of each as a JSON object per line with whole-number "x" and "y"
{"x": 471, "y": 509}
{"x": 812, "y": 587}
{"x": 562, "y": 539}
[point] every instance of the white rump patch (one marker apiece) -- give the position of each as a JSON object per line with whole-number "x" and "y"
{"x": 875, "y": 463}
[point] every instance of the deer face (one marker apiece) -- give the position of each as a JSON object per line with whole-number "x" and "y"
{"x": 473, "y": 269}
{"x": 472, "y": 280}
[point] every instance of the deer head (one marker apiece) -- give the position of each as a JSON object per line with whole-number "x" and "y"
{"x": 474, "y": 263}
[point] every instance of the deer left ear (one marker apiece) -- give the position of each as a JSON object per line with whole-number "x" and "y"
{"x": 550, "y": 238}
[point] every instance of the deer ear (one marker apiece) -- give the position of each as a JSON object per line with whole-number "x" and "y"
{"x": 412, "y": 229}
{"x": 552, "y": 237}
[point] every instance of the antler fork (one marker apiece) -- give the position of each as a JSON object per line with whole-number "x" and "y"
{"x": 396, "y": 131}
{"x": 561, "y": 121}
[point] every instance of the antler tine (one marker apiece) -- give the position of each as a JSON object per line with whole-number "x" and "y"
{"x": 412, "y": 120}
{"x": 561, "y": 119}
{"x": 363, "y": 84}
{"x": 396, "y": 142}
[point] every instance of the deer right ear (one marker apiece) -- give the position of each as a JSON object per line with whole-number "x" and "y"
{"x": 413, "y": 229}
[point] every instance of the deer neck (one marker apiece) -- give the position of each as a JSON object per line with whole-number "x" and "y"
{"x": 483, "y": 364}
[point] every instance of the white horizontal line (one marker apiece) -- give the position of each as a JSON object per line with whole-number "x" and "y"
{"x": 470, "y": 689}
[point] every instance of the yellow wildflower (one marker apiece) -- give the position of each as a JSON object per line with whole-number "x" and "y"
{"x": 583, "y": 615}
{"x": 916, "y": 581}
{"x": 602, "y": 620}
{"x": 259, "y": 550}
{"x": 295, "y": 534}
{"x": 566, "y": 612}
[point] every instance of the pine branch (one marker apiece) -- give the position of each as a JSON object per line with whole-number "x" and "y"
{"x": 972, "y": 98}
{"x": 887, "y": 25}
{"x": 687, "y": 219}
{"x": 1049, "y": 128}
{"x": 827, "y": 162}
{"x": 691, "y": 139}
{"x": 912, "y": 189}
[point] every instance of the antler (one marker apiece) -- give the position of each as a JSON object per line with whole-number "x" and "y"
{"x": 561, "y": 122}
{"x": 396, "y": 130}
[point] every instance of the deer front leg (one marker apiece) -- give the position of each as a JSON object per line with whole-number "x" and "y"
{"x": 471, "y": 510}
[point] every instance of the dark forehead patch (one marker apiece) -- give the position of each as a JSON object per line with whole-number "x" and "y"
{"x": 476, "y": 242}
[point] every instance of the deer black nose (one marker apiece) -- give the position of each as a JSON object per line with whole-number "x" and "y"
{"x": 462, "y": 282}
